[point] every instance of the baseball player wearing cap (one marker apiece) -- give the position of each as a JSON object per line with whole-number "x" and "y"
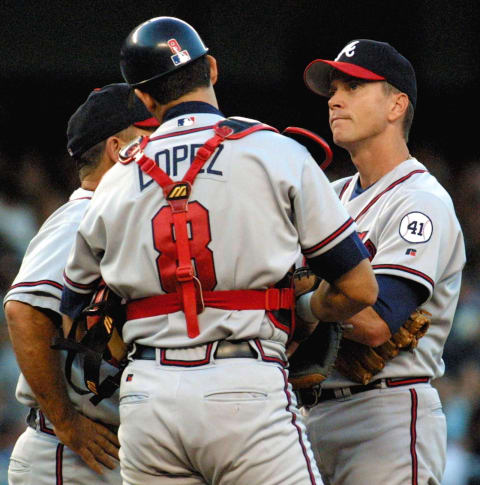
{"x": 205, "y": 398}
{"x": 391, "y": 430}
{"x": 64, "y": 427}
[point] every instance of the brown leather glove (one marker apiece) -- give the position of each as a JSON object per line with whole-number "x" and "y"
{"x": 360, "y": 362}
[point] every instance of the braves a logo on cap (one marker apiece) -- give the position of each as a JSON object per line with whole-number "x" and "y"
{"x": 179, "y": 56}
{"x": 348, "y": 50}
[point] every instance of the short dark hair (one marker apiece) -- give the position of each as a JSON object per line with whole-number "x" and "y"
{"x": 194, "y": 75}
{"x": 388, "y": 88}
{"x": 89, "y": 160}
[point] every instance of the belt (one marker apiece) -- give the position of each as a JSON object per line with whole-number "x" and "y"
{"x": 226, "y": 349}
{"x": 314, "y": 395}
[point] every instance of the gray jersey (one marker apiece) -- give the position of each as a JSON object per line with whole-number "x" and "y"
{"x": 39, "y": 283}
{"x": 270, "y": 202}
{"x": 408, "y": 223}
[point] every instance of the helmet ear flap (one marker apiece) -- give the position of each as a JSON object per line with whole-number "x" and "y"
{"x": 157, "y": 47}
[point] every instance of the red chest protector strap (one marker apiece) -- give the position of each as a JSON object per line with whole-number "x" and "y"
{"x": 189, "y": 296}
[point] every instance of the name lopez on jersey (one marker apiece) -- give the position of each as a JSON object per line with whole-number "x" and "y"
{"x": 176, "y": 160}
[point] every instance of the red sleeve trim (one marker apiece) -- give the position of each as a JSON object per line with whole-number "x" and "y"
{"x": 344, "y": 188}
{"x": 329, "y": 239}
{"x": 81, "y": 286}
{"x": 399, "y": 267}
{"x": 37, "y": 283}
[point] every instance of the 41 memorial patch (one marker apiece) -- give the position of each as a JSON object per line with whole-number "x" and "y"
{"x": 416, "y": 227}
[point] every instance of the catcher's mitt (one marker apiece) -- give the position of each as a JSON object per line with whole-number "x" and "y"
{"x": 360, "y": 362}
{"x": 314, "y": 359}
{"x": 96, "y": 334}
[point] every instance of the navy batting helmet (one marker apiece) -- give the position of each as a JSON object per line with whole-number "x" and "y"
{"x": 157, "y": 47}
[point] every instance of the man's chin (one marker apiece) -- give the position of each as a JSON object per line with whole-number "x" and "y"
{"x": 341, "y": 142}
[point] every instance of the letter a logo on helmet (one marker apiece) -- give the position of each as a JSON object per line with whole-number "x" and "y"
{"x": 157, "y": 47}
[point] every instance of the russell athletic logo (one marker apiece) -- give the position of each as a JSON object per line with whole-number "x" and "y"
{"x": 348, "y": 50}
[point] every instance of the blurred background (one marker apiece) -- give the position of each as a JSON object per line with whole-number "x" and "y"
{"x": 52, "y": 54}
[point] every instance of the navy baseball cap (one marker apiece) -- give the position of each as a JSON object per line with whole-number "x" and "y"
{"x": 364, "y": 59}
{"x": 106, "y": 111}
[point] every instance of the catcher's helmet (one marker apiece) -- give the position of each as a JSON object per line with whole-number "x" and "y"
{"x": 157, "y": 47}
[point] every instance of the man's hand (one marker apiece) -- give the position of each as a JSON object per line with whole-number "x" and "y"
{"x": 31, "y": 332}
{"x": 95, "y": 443}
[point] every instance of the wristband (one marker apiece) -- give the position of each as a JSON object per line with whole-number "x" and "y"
{"x": 303, "y": 308}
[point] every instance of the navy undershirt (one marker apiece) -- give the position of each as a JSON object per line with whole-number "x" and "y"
{"x": 357, "y": 190}
{"x": 73, "y": 303}
{"x": 397, "y": 299}
{"x": 340, "y": 259}
{"x": 190, "y": 107}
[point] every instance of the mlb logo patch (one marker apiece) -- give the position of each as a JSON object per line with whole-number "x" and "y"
{"x": 411, "y": 252}
{"x": 181, "y": 57}
{"x": 129, "y": 378}
{"x": 186, "y": 121}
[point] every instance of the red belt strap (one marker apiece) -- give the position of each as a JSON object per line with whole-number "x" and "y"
{"x": 270, "y": 300}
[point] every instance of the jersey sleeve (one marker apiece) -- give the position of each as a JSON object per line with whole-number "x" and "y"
{"x": 416, "y": 238}
{"x": 82, "y": 271}
{"x": 321, "y": 220}
{"x": 339, "y": 186}
{"x": 39, "y": 281}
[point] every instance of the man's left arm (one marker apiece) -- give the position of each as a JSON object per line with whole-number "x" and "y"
{"x": 374, "y": 325}
{"x": 407, "y": 257}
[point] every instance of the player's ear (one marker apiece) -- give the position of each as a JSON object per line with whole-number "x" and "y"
{"x": 399, "y": 106}
{"x": 113, "y": 145}
{"x": 213, "y": 69}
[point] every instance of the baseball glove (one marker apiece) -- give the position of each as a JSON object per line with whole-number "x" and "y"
{"x": 96, "y": 335}
{"x": 360, "y": 362}
{"x": 314, "y": 359}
